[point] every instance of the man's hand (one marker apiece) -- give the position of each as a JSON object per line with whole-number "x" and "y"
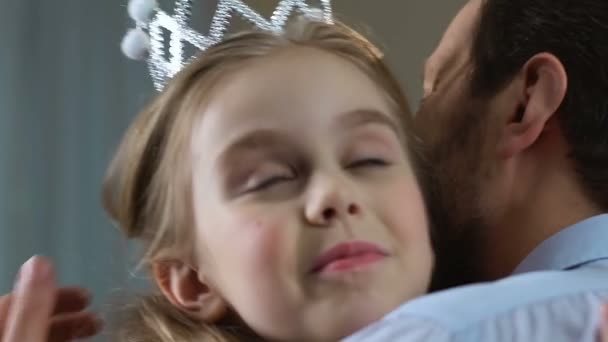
{"x": 454, "y": 45}
{"x": 38, "y": 311}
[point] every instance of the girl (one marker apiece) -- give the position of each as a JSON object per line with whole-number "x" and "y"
{"x": 274, "y": 188}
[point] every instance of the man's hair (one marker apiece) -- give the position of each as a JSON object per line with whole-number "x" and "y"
{"x": 510, "y": 32}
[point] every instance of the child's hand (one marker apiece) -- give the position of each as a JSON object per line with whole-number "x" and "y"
{"x": 604, "y": 325}
{"x": 454, "y": 46}
{"x": 37, "y": 311}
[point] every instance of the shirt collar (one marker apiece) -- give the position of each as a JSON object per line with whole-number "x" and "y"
{"x": 579, "y": 244}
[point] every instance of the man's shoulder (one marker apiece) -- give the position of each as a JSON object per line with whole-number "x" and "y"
{"x": 465, "y": 306}
{"x": 461, "y": 307}
{"x": 536, "y": 306}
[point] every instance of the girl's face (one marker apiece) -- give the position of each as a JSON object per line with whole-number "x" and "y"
{"x": 310, "y": 222}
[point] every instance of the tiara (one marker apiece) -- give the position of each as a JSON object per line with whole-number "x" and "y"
{"x": 146, "y": 41}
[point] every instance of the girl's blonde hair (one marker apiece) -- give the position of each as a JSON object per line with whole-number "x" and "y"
{"x": 147, "y": 189}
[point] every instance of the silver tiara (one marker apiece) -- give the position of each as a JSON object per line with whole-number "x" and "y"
{"x": 146, "y": 40}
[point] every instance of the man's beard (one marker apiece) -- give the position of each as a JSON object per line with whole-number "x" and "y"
{"x": 454, "y": 199}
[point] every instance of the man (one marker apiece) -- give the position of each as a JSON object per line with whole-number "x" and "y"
{"x": 517, "y": 123}
{"x": 516, "y": 120}
{"x": 515, "y": 117}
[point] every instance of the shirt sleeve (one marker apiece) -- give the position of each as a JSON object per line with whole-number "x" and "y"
{"x": 571, "y": 318}
{"x": 404, "y": 329}
{"x": 564, "y": 319}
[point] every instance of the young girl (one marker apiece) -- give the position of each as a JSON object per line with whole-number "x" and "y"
{"x": 274, "y": 188}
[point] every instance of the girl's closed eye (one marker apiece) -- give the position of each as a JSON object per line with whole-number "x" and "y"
{"x": 268, "y": 176}
{"x": 371, "y": 155}
{"x": 369, "y": 162}
{"x": 372, "y": 148}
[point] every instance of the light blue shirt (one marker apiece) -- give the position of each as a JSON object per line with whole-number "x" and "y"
{"x": 554, "y": 295}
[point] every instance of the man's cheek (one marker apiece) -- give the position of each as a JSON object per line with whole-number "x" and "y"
{"x": 427, "y": 123}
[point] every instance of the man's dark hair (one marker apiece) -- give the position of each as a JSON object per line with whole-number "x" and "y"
{"x": 510, "y": 32}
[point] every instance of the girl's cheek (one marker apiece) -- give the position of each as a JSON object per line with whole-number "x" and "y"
{"x": 406, "y": 210}
{"x": 261, "y": 240}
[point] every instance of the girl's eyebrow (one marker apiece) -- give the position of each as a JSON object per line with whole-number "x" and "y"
{"x": 264, "y": 139}
{"x": 251, "y": 141}
{"x": 363, "y": 116}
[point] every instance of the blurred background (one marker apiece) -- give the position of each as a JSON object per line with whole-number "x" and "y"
{"x": 67, "y": 94}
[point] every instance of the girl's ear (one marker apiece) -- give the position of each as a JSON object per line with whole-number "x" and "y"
{"x": 186, "y": 288}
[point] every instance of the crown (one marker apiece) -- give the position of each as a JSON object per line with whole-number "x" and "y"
{"x": 146, "y": 41}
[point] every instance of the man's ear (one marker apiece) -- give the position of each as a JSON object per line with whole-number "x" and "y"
{"x": 187, "y": 290}
{"x": 541, "y": 87}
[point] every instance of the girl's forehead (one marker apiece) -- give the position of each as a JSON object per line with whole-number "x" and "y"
{"x": 295, "y": 84}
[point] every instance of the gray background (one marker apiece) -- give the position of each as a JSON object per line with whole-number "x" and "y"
{"x": 66, "y": 96}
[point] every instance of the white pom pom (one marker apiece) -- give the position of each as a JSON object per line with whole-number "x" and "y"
{"x": 135, "y": 44}
{"x": 142, "y": 10}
